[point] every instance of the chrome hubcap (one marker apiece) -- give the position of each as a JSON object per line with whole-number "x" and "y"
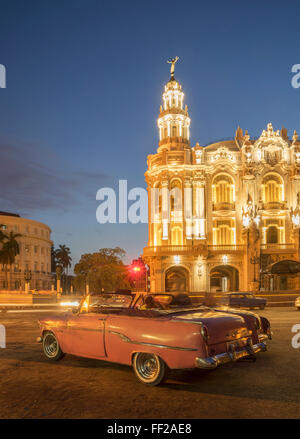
{"x": 147, "y": 366}
{"x": 50, "y": 345}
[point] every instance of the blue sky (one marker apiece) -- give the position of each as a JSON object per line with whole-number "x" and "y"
{"x": 84, "y": 84}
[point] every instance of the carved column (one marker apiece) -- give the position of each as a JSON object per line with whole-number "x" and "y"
{"x": 165, "y": 209}
{"x": 199, "y": 210}
{"x": 188, "y": 208}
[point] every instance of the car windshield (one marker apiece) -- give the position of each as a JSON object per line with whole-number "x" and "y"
{"x": 96, "y": 302}
{"x": 166, "y": 302}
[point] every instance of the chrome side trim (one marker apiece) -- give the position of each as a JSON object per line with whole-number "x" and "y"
{"x": 227, "y": 357}
{"x": 128, "y": 340}
{"x": 78, "y": 328}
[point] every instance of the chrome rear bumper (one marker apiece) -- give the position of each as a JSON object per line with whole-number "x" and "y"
{"x": 227, "y": 357}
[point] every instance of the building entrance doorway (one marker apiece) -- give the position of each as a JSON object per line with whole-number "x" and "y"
{"x": 224, "y": 278}
{"x": 177, "y": 279}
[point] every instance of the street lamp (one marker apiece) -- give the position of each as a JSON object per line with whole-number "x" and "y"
{"x": 250, "y": 214}
{"x": 27, "y": 278}
{"x": 295, "y": 217}
{"x": 255, "y": 260}
{"x": 251, "y": 217}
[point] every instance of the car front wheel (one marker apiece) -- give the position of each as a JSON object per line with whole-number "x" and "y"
{"x": 262, "y": 306}
{"x": 51, "y": 347}
{"x": 149, "y": 368}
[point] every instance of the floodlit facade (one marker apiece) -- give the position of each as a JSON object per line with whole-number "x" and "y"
{"x": 34, "y": 260}
{"x": 237, "y": 215}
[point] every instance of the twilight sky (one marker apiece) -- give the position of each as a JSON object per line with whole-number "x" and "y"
{"x": 84, "y": 85}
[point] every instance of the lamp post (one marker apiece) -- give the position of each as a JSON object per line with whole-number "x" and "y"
{"x": 27, "y": 278}
{"x": 58, "y": 278}
{"x": 255, "y": 260}
{"x": 251, "y": 219}
{"x": 295, "y": 217}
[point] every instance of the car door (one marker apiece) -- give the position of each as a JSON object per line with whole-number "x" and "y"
{"x": 235, "y": 300}
{"x": 85, "y": 333}
{"x": 249, "y": 300}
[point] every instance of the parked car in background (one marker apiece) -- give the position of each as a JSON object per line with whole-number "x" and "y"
{"x": 243, "y": 300}
{"x": 153, "y": 333}
{"x": 297, "y": 303}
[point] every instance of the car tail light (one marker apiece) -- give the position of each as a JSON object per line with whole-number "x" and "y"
{"x": 204, "y": 332}
{"x": 257, "y": 323}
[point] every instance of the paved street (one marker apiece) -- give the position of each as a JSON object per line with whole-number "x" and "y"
{"x": 32, "y": 387}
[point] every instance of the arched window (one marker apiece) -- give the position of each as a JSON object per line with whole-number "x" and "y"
{"x": 223, "y": 189}
{"x": 272, "y": 235}
{"x": 224, "y": 232}
{"x": 272, "y": 189}
{"x": 176, "y": 235}
{"x": 176, "y": 200}
{"x": 157, "y": 235}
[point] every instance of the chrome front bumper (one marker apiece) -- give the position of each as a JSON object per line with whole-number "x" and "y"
{"x": 227, "y": 357}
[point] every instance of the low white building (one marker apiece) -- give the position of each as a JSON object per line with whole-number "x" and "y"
{"x": 35, "y": 253}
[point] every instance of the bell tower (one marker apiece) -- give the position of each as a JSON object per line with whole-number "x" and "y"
{"x": 173, "y": 120}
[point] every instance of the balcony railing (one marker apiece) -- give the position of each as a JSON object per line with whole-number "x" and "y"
{"x": 226, "y": 248}
{"x": 170, "y": 249}
{"x": 288, "y": 246}
{"x": 223, "y": 206}
{"x": 198, "y": 248}
{"x": 280, "y": 205}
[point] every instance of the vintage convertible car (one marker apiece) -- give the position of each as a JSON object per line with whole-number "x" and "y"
{"x": 154, "y": 333}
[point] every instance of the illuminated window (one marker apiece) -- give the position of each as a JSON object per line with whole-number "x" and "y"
{"x": 272, "y": 235}
{"x": 176, "y": 201}
{"x": 223, "y": 189}
{"x": 273, "y": 231}
{"x": 224, "y": 232}
{"x": 176, "y": 235}
{"x": 272, "y": 189}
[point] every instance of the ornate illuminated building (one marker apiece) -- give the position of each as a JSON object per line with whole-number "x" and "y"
{"x": 238, "y": 215}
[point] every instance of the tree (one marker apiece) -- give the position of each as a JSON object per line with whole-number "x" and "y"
{"x": 102, "y": 270}
{"x": 3, "y": 236}
{"x": 10, "y": 249}
{"x": 62, "y": 258}
{"x": 3, "y": 254}
{"x": 54, "y": 262}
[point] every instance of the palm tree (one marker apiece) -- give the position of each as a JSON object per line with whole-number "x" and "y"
{"x": 10, "y": 250}
{"x": 63, "y": 258}
{"x": 3, "y": 254}
{"x": 2, "y": 235}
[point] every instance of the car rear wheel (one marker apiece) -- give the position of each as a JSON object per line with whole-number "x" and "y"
{"x": 262, "y": 306}
{"x": 149, "y": 368}
{"x": 51, "y": 347}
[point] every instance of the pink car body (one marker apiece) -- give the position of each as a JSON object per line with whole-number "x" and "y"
{"x": 182, "y": 337}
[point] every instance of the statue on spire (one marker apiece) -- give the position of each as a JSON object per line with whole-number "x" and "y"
{"x": 173, "y": 61}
